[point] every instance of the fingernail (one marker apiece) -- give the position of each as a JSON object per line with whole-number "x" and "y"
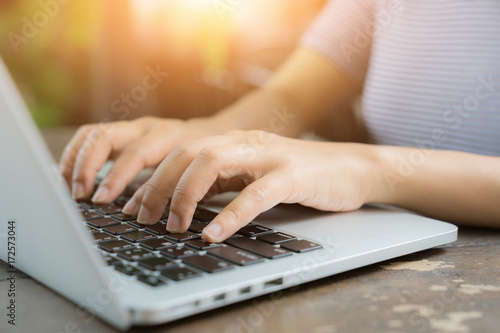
{"x": 131, "y": 207}
{"x": 78, "y": 191}
{"x": 213, "y": 230}
{"x": 144, "y": 215}
{"x": 173, "y": 222}
{"x": 101, "y": 194}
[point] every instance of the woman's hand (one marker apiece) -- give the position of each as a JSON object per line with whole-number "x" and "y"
{"x": 267, "y": 168}
{"x": 133, "y": 145}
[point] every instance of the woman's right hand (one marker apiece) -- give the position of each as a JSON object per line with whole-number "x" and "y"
{"x": 133, "y": 145}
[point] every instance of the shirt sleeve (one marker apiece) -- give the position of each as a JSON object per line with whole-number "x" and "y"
{"x": 342, "y": 33}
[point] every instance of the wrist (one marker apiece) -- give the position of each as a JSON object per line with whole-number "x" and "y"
{"x": 384, "y": 178}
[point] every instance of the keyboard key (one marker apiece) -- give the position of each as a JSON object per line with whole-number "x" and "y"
{"x": 254, "y": 230}
{"x": 135, "y": 254}
{"x": 157, "y": 263}
{"x": 276, "y": 238}
{"x": 200, "y": 244}
{"x": 91, "y": 215}
{"x": 119, "y": 229}
{"x": 102, "y": 222}
{"x": 136, "y": 224}
{"x": 115, "y": 245}
{"x": 301, "y": 246}
{"x": 158, "y": 229}
{"x": 111, "y": 261}
{"x": 182, "y": 237}
{"x": 102, "y": 236}
{"x": 156, "y": 244}
{"x": 262, "y": 249}
{"x": 204, "y": 215}
{"x": 123, "y": 217}
{"x": 179, "y": 273}
{"x": 236, "y": 256}
{"x": 122, "y": 200}
{"x": 109, "y": 209}
{"x": 129, "y": 270}
{"x": 92, "y": 230}
{"x": 137, "y": 236}
{"x": 178, "y": 252}
{"x": 153, "y": 281}
{"x": 208, "y": 264}
{"x": 197, "y": 227}
{"x": 87, "y": 204}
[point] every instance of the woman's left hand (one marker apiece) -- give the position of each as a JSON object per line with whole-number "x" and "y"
{"x": 268, "y": 169}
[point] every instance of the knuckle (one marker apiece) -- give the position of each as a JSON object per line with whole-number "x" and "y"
{"x": 179, "y": 195}
{"x": 257, "y": 193}
{"x": 211, "y": 153}
{"x": 183, "y": 149}
{"x": 152, "y": 188}
{"x": 259, "y": 137}
{"x": 231, "y": 215}
{"x": 253, "y": 135}
{"x": 94, "y": 136}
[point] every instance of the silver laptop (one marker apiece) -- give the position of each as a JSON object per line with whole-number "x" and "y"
{"x": 127, "y": 275}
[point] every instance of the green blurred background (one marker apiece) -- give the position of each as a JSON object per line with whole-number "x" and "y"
{"x": 74, "y": 60}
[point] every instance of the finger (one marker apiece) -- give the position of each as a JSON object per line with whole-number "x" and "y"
{"x": 207, "y": 167}
{"x": 92, "y": 155}
{"x": 96, "y": 149}
{"x": 223, "y": 185}
{"x": 162, "y": 184}
{"x": 134, "y": 204}
{"x": 70, "y": 154}
{"x": 258, "y": 197}
{"x": 146, "y": 152}
{"x": 159, "y": 188}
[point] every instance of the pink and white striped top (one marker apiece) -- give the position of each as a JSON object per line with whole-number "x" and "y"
{"x": 430, "y": 68}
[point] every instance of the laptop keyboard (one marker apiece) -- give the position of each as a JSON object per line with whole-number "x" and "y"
{"x": 156, "y": 257}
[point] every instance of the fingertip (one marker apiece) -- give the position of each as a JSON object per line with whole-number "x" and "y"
{"x": 101, "y": 195}
{"x": 173, "y": 222}
{"x": 212, "y": 233}
{"x": 78, "y": 191}
{"x": 131, "y": 207}
{"x": 144, "y": 216}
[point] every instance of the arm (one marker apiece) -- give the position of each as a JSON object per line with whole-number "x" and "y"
{"x": 304, "y": 88}
{"x": 453, "y": 186}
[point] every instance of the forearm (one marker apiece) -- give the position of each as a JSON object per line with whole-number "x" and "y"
{"x": 286, "y": 105}
{"x": 262, "y": 109}
{"x": 453, "y": 186}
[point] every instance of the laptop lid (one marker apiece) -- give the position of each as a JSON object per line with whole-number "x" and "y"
{"x": 31, "y": 191}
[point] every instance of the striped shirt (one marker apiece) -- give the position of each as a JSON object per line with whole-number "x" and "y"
{"x": 430, "y": 68}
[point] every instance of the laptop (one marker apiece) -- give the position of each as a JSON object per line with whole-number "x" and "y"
{"x": 128, "y": 275}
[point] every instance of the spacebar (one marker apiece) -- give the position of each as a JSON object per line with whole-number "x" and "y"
{"x": 263, "y": 249}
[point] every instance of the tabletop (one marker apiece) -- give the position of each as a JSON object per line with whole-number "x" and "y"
{"x": 451, "y": 288}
